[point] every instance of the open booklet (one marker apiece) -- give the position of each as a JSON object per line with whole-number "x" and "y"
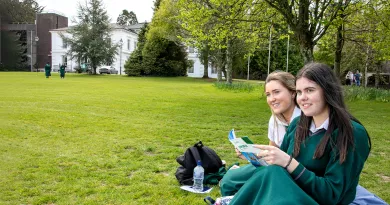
{"x": 245, "y": 146}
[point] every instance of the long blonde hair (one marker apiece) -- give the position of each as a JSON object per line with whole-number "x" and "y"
{"x": 288, "y": 81}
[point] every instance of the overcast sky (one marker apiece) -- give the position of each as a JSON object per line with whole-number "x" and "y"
{"x": 142, "y": 8}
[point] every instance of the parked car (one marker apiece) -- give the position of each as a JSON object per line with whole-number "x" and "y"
{"x": 113, "y": 71}
{"x": 108, "y": 70}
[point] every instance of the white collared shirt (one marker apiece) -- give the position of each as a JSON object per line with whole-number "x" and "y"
{"x": 324, "y": 126}
{"x": 277, "y": 129}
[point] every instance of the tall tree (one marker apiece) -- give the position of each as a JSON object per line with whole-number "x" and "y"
{"x": 156, "y": 4}
{"x": 378, "y": 39}
{"x": 19, "y": 11}
{"x": 220, "y": 23}
{"x": 127, "y": 18}
{"x": 308, "y": 19}
{"x": 163, "y": 53}
{"x": 90, "y": 40}
{"x": 167, "y": 25}
{"x": 13, "y": 44}
{"x": 134, "y": 64}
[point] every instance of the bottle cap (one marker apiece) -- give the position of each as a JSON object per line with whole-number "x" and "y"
{"x": 199, "y": 162}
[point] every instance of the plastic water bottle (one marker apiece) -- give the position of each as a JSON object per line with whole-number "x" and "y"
{"x": 198, "y": 177}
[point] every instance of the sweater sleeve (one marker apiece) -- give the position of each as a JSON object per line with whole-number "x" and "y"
{"x": 340, "y": 180}
{"x": 289, "y": 136}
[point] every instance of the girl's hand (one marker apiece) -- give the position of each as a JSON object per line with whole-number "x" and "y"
{"x": 272, "y": 155}
{"x": 239, "y": 155}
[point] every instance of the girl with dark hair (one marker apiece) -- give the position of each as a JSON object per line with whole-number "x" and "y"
{"x": 322, "y": 154}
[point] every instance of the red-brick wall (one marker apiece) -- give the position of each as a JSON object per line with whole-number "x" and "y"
{"x": 45, "y": 23}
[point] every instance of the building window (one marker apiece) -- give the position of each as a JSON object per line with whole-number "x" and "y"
{"x": 128, "y": 44}
{"x": 64, "y": 60}
{"x": 191, "y": 66}
{"x": 213, "y": 70}
{"x": 64, "y": 44}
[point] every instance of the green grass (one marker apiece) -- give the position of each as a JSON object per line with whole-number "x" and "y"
{"x": 238, "y": 86}
{"x": 353, "y": 93}
{"x": 114, "y": 140}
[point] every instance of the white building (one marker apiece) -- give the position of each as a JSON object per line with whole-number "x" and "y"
{"x": 128, "y": 36}
{"x": 198, "y": 68}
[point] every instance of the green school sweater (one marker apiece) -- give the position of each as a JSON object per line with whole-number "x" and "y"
{"x": 325, "y": 179}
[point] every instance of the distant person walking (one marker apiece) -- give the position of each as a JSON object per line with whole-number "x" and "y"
{"x": 352, "y": 77}
{"x": 47, "y": 70}
{"x": 348, "y": 79}
{"x": 358, "y": 77}
{"x": 62, "y": 71}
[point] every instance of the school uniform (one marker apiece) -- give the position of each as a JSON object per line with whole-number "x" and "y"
{"x": 314, "y": 181}
{"x": 62, "y": 71}
{"x": 47, "y": 70}
{"x": 277, "y": 129}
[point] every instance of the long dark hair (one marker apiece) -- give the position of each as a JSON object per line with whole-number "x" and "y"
{"x": 339, "y": 117}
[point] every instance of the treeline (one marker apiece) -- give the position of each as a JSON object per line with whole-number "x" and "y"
{"x": 347, "y": 35}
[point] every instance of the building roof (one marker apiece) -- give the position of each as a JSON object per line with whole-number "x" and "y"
{"x": 136, "y": 26}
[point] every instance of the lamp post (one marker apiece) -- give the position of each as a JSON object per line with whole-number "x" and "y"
{"x": 269, "y": 48}
{"x": 31, "y": 42}
{"x": 120, "y": 57}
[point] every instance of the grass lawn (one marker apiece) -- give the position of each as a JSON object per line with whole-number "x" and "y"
{"x": 114, "y": 140}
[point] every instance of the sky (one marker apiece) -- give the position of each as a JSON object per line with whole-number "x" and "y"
{"x": 143, "y": 9}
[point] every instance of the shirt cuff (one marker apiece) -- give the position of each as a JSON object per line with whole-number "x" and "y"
{"x": 297, "y": 173}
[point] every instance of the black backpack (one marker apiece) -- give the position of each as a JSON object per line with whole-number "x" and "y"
{"x": 210, "y": 162}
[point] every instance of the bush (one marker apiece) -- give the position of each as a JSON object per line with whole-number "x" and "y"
{"x": 133, "y": 65}
{"x": 352, "y": 93}
{"x": 162, "y": 57}
{"x": 235, "y": 86}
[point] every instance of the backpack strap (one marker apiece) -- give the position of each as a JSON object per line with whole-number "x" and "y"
{"x": 195, "y": 153}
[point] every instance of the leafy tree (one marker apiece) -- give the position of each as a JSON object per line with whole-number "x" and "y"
{"x": 90, "y": 39}
{"x": 133, "y": 65}
{"x": 308, "y": 19}
{"x": 221, "y": 23}
{"x": 19, "y": 11}
{"x": 278, "y": 57}
{"x": 13, "y": 44}
{"x": 163, "y": 53}
{"x": 167, "y": 25}
{"x": 13, "y": 51}
{"x": 156, "y": 5}
{"x": 377, "y": 14}
{"x": 162, "y": 57}
{"x": 159, "y": 51}
{"x": 127, "y": 18}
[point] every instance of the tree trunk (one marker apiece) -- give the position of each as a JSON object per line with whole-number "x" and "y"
{"x": 377, "y": 74}
{"x": 219, "y": 74}
{"x": 224, "y": 71}
{"x": 306, "y": 45}
{"x": 307, "y": 53}
{"x": 339, "y": 49}
{"x": 206, "y": 61}
{"x": 229, "y": 63}
{"x": 366, "y": 66}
